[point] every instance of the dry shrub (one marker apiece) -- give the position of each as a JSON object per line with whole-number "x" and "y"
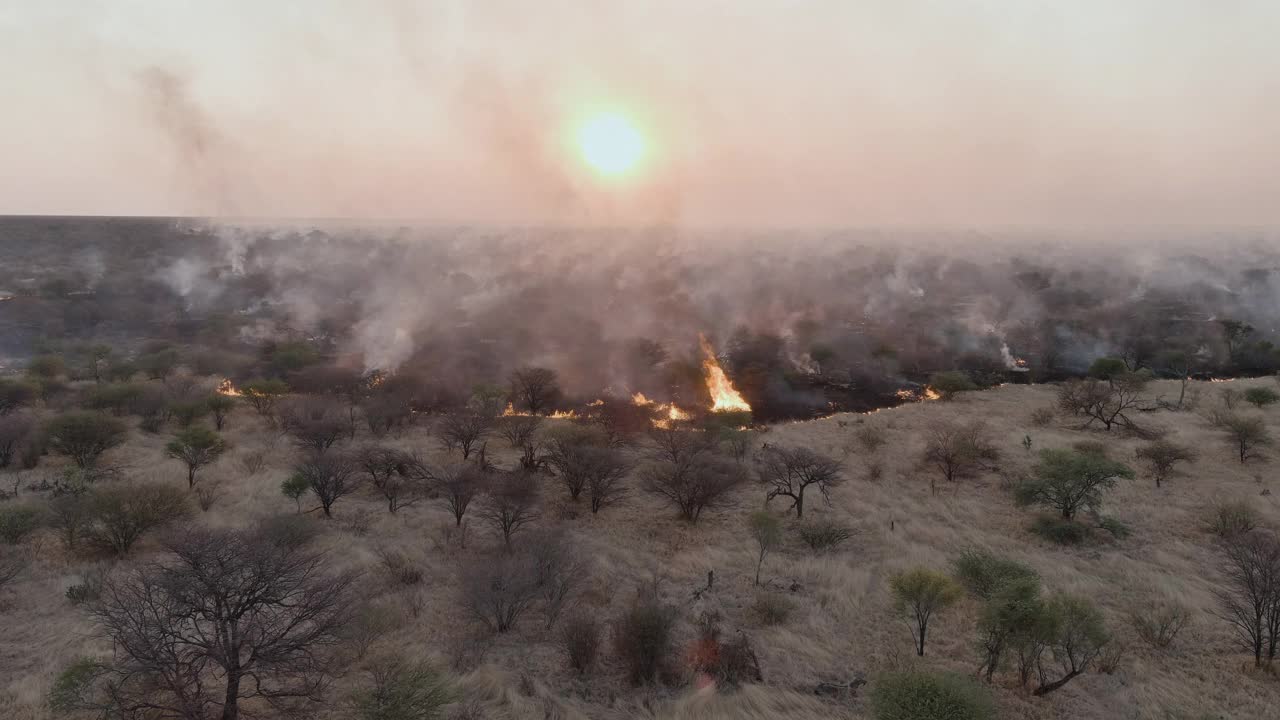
{"x": 369, "y": 625}
{"x": 1159, "y": 623}
{"x": 399, "y": 567}
{"x": 207, "y": 495}
{"x": 870, "y": 437}
{"x": 821, "y": 535}
{"x": 875, "y": 471}
{"x": 466, "y": 651}
{"x": 580, "y": 638}
{"x": 449, "y": 534}
{"x": 772, "y": 608}
{"x": 1110, "y": 658}
{"x": 1231, "y": 518}
{"x": 358, "y": 522}
{"x": 643, "y": 637}
{"x": 1043, "y": 416}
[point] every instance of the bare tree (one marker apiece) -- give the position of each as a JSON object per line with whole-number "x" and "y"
{"x": 121, "y": 514}
{"x": 573, "y": 452}
{"x": 606, "y": 471}
{"x": 1106, "y": 401}
{"x": 790, "y": 471}
{"x": 458, "y": 484}
{"x": 392, "y": 472}
{"x": 1246, "y": 434}
{"x": 518, "y": 430}
{"x": 702, "y": 483}
{"x": 1250, "y": 597}
{"x": 15, "y": 431}
{"x": 331, "y": 477}
{"x": 558, "y": 569}
{"x": 12, "y": 563}
{"x": 676, "y": 444}
{"x": 510, "y": 504}
{"x": 535, "y": 388}
{"x": 463, "y": 429}
{"x": 498, "y": 591}
{"x": 1162, "y": 456}
{"x": 228, "y": 616}
{"x": 957, "y": 449}
{"x": 314, "y": 423}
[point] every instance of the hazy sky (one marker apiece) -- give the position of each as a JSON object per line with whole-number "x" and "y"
{"x": 871, "y": 112}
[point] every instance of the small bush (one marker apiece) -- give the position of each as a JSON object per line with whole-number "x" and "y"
{"x": 18, "y": 521}
{"x": 1158, "y": 625}
{"x": 399, "y": 567}
{"x": 580, "y": 638}
{"x": 950, "y": 383}
{"x": 642, "y": 637}
{"x": 930, "y": 696}
{"x": 1115, "y": 528}
{"x": 984, "y": 573}
{"x": 870, "y": 437}
{"x": 822, "y": 535}
{"x": 1043, "y": 416}
{"x": 1060, "y": 531}
{"x": 1231, "y": 518}
{"x": 88, "y": 589}
{"x": 773, "y": 609}
{"x": 397, "y": 689}
{"x": 1260, "y": 397}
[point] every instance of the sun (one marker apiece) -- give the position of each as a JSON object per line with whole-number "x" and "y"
{"x": 611, "y": 144}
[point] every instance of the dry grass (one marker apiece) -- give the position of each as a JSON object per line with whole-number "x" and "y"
{"x": 841, "y": 625}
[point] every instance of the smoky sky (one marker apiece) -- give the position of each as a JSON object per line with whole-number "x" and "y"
{"x": 979, "y": 113}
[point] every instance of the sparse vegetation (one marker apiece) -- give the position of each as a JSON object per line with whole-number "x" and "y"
{"x": 930, "y": 696}
{"x": 821, "y": 535}
{"x": 920, "y": 593}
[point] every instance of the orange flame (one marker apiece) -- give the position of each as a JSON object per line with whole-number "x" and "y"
{"x": 724, "y": 397}
{"x": 672, "y": 412}
{"x": 226, "y": 388}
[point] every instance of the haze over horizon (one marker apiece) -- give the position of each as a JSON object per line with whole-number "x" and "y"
{"x": 917, "y": 113}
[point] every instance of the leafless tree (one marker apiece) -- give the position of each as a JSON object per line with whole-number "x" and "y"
{"x": 606, "y": 472}
{"x": 510, "y": 503}
{"x": 498, "y": 591}
{"x": 535, "y": 388}
{"x": 1106, "y": 401}
{"x": 533, "y": 459}
{"x": 458, "y": 484}
{"x": 331, "y": 477}
{"x": 121, "y": 514}
{"x": 676, "y": 444}
{"x": 463, "y": 429}
{"x": 789, "y": 471}
{"x": 1162, "y": 456}
{"x": 957, "y": 449}
{"x": 518, "y": 430}
{"x": 314, "y": 423}
{"x": 698, "y": 484}
{"x": 1246, "y": 434}
{"x": 392, "y": 473}
{"x": 558, "y": 568}
{"x": 574, "y": 453}
{"x": 1250, "y": 597}
{"x": 12, "y": 562}
{"x": 228, "y": 616}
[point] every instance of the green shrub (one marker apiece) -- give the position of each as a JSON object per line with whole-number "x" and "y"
{"x": 822, "y": 535}
{"x": 1261, "y": 396}
{"x": 1115, "y": 528}
{"x": 951, "y": 382}
{"x": 930, "y": 696}
{"x": 402, "y": 690}
{"x": 75, "y": 687}
{"x": 18, "y": 521}
{"x": 1060, "y": 531}
{"x": 984, "y": 573}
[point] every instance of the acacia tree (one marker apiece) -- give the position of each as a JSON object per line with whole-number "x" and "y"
{"x": 957, "y": 449}
{"x": 315, "y": 423}
{"x": 394, "y": 473}
{"x": 84, "y": 436}
{"x": 1250, "y": 597}
{"x": 571, "y": 451}
{"x": 457, "y": 485}
{"x": 330, "y": 476}
{"x": 264, "y": 394}
{"x": 790, "y": 471}
{"x": 1107, "y": 396}
{"x": 605, "y": 470}
{"x": 228, "y": 616}
{"x": 195, "y": 447}
{"x": 1071, "y": 480}
{"x": 510, "y": 504}
{"x": 922, "y": 592}
{"x": 1074, "y": 631}
{"x": 535, "y": 388}
{"x": 694, "y": 485}
{"x": 462, "y": 429}
{"x": 1245, "y": 434}
{"x": 1162, "y": 456}
{"x": 220, "y": 406}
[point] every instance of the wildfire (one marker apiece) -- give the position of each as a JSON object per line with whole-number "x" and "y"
{"x": 910, "y": 395}
{"x": 931, "y": 394}
{"x": 724, "y": 397}
{"x": 226, "y": 388}
{"x": 672, "y": 413}
{"x": 511, "y": 411}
